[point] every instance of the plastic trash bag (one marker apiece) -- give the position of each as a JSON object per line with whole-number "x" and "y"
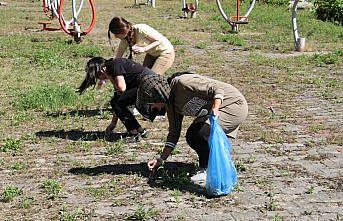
{"x": 221, "y": 172}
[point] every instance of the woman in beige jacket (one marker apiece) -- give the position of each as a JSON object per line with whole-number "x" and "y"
{"x": 187, "y": 94}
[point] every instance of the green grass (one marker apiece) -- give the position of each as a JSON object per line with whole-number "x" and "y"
{"x": 115, "y": 148}
{"x": 52, "y": 187}
{"x": 11, "y": 144}
{"x": 9, "y": 193}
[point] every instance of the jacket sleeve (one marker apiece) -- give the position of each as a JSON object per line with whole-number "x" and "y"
{"x": 175, "y": 126}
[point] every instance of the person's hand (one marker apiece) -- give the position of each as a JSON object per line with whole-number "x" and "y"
{"x": 138, "y": 49}
{"x": 215, "y": 112}
{"x": 109, "y": 129}
{"x": 154, "y": 164}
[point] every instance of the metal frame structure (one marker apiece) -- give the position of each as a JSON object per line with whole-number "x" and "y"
{"x": 234, "y": 21}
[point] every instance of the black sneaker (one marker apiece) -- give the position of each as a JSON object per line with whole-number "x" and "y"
{"x": 133, "y": 138}
{"x": 144, "y": 133}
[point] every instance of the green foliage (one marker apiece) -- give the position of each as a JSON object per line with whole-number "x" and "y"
{"x": 11, "y": 144}
{"x": 77, "y": 214}
{"x": 27, "y": 203}
{"x": 142, "y": 214}
{"x": 47, "y": 98}
{"x": 9, "y": 193}
{"x": 177, "y": 41}
{"x": 231, "y": 39}
{"x": 330, "y": 10}
{"x": 327, "y": 59}
{"x": 52, "y": 188}
{"x": 53, "y": 52}
{"x": 275, "y": 2}
{"x": 117, "y": 147}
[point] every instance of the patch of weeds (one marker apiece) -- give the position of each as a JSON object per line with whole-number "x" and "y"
{"x": 134, "y": 156}
{"x": 271, "y": 137}
{"x": 310, "y": 190}
{"x": 177, "y": 41}
{"x": 231, "y": 39}
{"x": 240, "y": 166}
{"x": 17, "y": 118}
{"x": 47, "y": 98}
{"x": 9, "y": 193}
{"x": 18, "y": 166}
{"x": 117, "y": 147}
{"x": 177, "y": 195}
{"x": 238, "y": 188}
{"x": 335, "y": 138}
{"x": 270, "y": 205}
{"x": 200, "y": 45}
{"x": 174, "y": 180}
{"x": 317, "y": 127}
{"x": 11, "y": 144}
{"x": 27, "y": 203}
{"x": 77, "y": 214}
{"x": 2, "y": 162}
{"x": 142, "y": 214}
{"x": 52, "y": 188}
{"x": 307, "y": 212}
{"x": 81, "y": 146}
{"x": 99, "y": 192}
{"x": 326, "y": 59}
{"x": 277, "y": 217}
{"x": 175, "y": 151}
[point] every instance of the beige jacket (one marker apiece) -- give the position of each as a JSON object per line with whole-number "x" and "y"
{"x": 193, "y": 95}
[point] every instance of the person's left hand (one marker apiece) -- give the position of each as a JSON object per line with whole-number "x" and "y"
{"x": 215, "y": 111}
{"x": 138, "y": 49}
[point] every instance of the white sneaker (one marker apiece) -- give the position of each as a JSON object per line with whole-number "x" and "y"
{"x": 199, "y": 177}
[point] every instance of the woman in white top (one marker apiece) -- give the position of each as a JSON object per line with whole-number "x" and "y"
{"x": 141, "y": 38}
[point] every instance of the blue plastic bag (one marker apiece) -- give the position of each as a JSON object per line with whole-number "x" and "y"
{"x": 221, "y": 172}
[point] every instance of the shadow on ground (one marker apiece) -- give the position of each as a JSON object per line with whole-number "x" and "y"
{"x": 77, "y": 135}
{"x": 79, "y": 113}
{"x": 173, "y": 175}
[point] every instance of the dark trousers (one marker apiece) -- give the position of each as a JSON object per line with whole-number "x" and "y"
{"x": 197, "y": 138}
{"x": 120, "y": 103}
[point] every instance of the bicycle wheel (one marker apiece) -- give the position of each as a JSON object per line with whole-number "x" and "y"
{"x": 73, "y": 26}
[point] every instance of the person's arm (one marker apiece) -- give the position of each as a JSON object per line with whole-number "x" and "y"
{"x": 175, "y": 125}
{"x": 121, "y": 49}
{"x": 119, "y": 83}
{"x": 216, "y": 105}
{"x": 154, "y": 39}
{"x": 112, "y": 125}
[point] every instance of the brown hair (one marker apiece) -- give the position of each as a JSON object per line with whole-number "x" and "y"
{"x": 119, "y": 25}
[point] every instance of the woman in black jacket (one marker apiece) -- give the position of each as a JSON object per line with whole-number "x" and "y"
{"x": 125, "y": 75}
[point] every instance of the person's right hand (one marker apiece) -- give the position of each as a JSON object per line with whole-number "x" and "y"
{"x": 109, "y": 129}
{"x": 154, "y": 164}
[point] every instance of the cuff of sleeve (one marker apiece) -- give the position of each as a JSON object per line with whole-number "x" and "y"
{"x": 170, "y": 145}
{"x": 219, "y": 96}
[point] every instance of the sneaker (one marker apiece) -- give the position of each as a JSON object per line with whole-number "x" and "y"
{"x": 200, "y": 176}
{"x": 133, "y": 138}
{"x": 144, "y": 133}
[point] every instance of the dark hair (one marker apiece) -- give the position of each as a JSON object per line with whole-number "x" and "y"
{"x": 92, "y": 69}
{"x": 119, "y": 25}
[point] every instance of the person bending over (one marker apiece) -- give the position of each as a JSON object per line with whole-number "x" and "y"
{"x": 125, "y": 75}
{"x": 141, "y": 38}
{"x": 187, "y": 94}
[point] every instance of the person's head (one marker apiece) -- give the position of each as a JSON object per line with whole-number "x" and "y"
{"x": 121, "y": 29}
{"x": 95, "y": 70}
{"x": 152, "y": 96}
